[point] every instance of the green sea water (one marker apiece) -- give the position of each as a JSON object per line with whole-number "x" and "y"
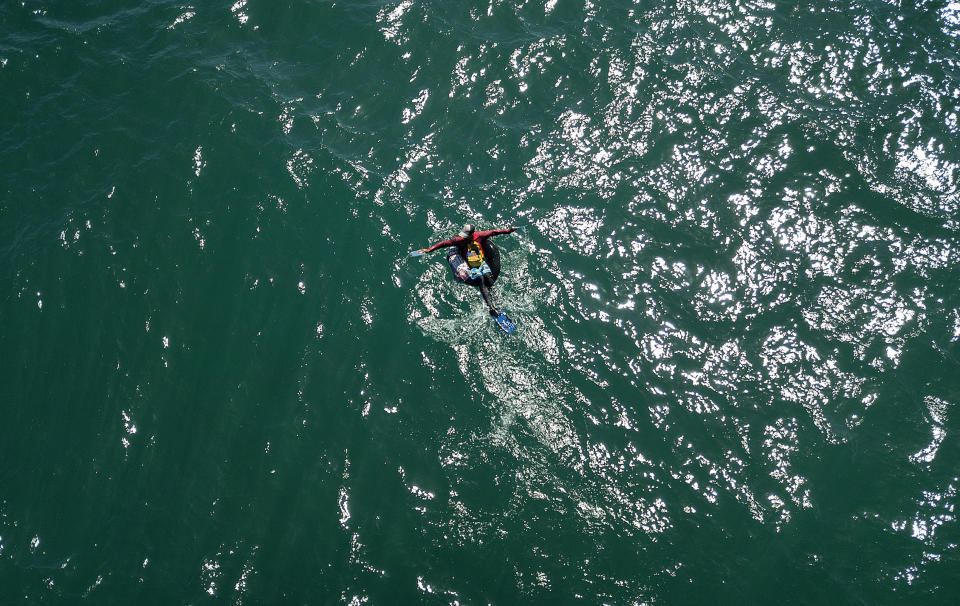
{"x": 224, "y": 381}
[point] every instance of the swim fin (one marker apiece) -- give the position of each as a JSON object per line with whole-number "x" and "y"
{"x": 505, "y": 323}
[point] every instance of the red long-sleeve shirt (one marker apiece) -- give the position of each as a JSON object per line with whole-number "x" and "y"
{"x": 478, "y": 236}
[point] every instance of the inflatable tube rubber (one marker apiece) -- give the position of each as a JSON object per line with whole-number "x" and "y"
{"x": 458, "y": 264}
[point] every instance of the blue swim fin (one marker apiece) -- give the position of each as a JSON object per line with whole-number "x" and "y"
{"x": 505, "y": 323}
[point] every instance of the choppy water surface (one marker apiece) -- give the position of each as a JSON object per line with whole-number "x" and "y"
{"x": 737, "y": 367}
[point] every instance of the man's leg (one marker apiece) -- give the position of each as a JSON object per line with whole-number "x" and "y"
{"x": 487, "y": 298}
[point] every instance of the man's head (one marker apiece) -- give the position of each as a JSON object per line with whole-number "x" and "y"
{"x": 467, "y": 231}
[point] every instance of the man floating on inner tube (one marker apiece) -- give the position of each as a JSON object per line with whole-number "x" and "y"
{"x": 469, "y": 261}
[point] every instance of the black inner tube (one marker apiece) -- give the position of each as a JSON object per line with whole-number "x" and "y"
{"x": 491, "y": 255}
